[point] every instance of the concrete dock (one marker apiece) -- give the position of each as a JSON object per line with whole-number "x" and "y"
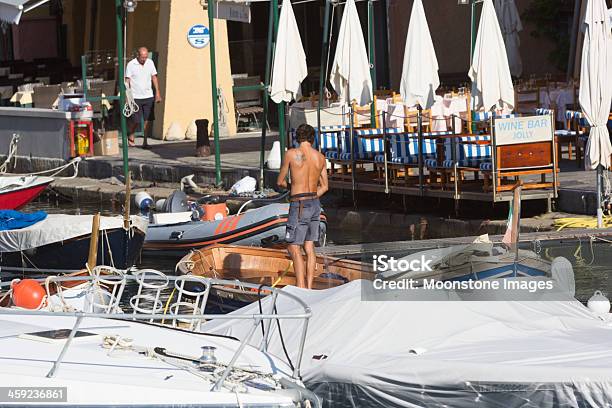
{"x": 161, "y": 167}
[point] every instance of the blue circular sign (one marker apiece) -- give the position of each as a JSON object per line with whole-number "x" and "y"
{"x": 198, "y": 36}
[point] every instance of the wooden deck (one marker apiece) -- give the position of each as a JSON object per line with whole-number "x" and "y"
{"x": 575, "y": 192}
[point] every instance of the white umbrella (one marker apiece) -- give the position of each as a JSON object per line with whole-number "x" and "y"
{"x": 490, "y": 74}
{"x": 595, "y": 82}
{"x": 11, "y": 10}
{"x": 510, "y": 24}
{"x": 350, "y": 73}
{"x": 420, "y": 71}
{"x": 289, "y": 67}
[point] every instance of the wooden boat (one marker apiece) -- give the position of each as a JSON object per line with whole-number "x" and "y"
{"x": 267, "y": 266}
{"x": 60, "y": 244}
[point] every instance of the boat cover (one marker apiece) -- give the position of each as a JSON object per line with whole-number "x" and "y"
{"x": 57, "y": 228}
{"x": 544, "y": 353}
{"x": 11, "y": 219}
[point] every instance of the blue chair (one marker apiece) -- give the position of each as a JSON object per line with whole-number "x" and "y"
{"x": 574, "y": 135}
{"x": 404, "y": 149}
{"x": 365, "y": 148}
{"x": 469, "y": 154}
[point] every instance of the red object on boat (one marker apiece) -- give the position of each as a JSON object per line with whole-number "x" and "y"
{"x": 15, "y": 192}
{"x": 28, "y": 293}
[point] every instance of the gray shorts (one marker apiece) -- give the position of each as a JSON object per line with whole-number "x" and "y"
{"x": 146, "y": 110}
{"x": 303, "y": 222}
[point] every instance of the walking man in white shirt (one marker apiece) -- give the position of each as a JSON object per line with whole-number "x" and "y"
{"x": 140, "y": 73}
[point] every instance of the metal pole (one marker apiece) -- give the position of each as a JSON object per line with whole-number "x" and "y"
{"x": 119, "y": 22}
{"x": 472, "y": 28}
{"x": 213, "y": 83}
{"x": 262, "y": 147}
{"x": 599, "y": 209}
{"x": 281, "y": 106}
{"x": 472, "y": 46}
{"x": 84, "y": 74}
{"x": 352, "y": 150}
{"x": 494, "y": 169}
{"x": 574, "y": 40}
{"x": 372, "y": 58}
{"x": 322, "y": 72}
{"x": 60, "y": 358}
{"x": 386, "y": 150}
{"x": 420, "y": 145}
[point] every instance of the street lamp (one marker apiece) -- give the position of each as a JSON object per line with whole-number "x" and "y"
{"x": 130, "y": 5}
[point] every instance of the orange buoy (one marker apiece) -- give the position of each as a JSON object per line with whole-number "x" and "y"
{"x": 28, "y": 293}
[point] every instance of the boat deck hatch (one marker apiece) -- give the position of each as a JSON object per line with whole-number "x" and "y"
{"x": 51, "y": 336}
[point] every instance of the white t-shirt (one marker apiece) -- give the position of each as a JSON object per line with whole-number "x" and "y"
{"x": 140, "y": 78}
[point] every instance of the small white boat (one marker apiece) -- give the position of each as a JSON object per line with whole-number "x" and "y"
{"x": 472, "y": 261}
{"x": 104, "y": 357}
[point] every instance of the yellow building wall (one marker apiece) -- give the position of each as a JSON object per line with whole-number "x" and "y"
{"x": 142, "y": 27}
{"x": 184, "y": 71}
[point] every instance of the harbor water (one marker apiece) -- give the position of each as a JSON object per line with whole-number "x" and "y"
{"x": 590, "y": 258}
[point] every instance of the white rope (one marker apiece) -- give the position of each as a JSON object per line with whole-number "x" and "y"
{"x": 606, "y": 184}
{"x": 223, "y": 108}
{"x": 54, "y": 171}
{"x": 131, "y": 107}
{"x": 11, "y": 153}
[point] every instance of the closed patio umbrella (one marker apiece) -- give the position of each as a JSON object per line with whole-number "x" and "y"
{"x": 596, "y": 87}
{"x": 289, "y": 66}
{"x": 350, "y": 73}
{"x": 510, "y": 24}
{"x": 490, "y": 73}
{"x": 420, "y": 71}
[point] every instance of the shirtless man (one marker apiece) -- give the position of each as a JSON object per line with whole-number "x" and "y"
{"x": 308, "y": 184}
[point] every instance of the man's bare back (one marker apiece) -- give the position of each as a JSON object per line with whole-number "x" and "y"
{"x": 308, "y": 183}
{"x": 306, "y": 169}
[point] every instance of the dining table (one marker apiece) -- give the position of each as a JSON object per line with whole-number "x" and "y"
{"x": 445, "y": 109}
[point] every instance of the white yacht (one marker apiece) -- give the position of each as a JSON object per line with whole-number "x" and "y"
{"x": 97, "y": 355}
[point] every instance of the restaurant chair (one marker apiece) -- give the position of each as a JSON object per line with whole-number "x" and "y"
{"x": 362, "y": 115}
{"x": 526, "y": 100}
{"x": 577, "y": 126}
{"x": 248, "y": 103}
{"x": 471, "y": 152}
{"x": 411, "y": 119}
{"x": 571, "y": 135}
{"x": 45, "y": 96}
{"x": 403, "y": 156}
{"x": 397, "y": 98}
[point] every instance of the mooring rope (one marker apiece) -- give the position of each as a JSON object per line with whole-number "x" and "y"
{"x": 11, "y": 153}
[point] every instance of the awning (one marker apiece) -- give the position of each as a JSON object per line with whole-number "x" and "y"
{"x": 11, "y": 10}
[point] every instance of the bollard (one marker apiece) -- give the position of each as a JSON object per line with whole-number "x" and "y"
{"x": 203, "y": 140}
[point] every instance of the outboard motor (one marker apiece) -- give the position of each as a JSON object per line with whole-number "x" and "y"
{"x": 176, "y": 202}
